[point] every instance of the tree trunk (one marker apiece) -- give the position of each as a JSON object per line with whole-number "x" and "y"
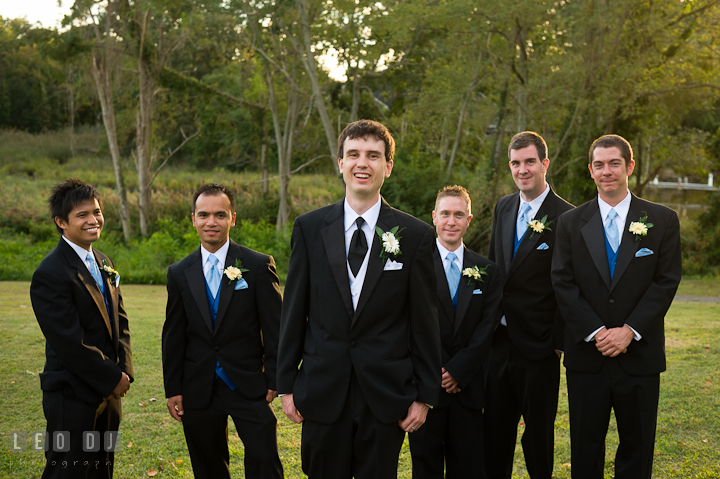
{"x": 309, "y": 62}
{"x": 146, "y": 88}
{"x": 263, "y": 154}
{"x": 357, "y": 83}
{"x": 101, "y": 76}
{"x": 71, "y": 107}
{"x": 458, "y": 132}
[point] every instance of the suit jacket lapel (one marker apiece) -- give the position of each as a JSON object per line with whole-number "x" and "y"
{"x": 334, "y": 239}
{"x": 112, "y": 297}
{"x": 464, "y": 292}
{"x": 226, "y": 286}
{"x": 89, "y": 282}
{"x": 196, "y": 281}
{"x": 628, "y": 246}
{"x": 386, "y": 221}
{"x": 509, "y": 220}
{"x": 443, "y": 291}
{"x": 594, "y": 236}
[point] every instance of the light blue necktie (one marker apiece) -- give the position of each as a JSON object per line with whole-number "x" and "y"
{"x": 611, "y": 230}
{"x": 453, "y": 277}
{"x": 95, "y": 272}
{"x": 522, "y": 221}
{"x": 213, "y": 276}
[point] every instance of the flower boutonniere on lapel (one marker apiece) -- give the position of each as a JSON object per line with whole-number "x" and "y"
{"x": 390, "y": 242}
{"x": 112, "y": 273}
{"x": 539, "y": 227}
{"x": 234, "y": 273}
{"x": 475, "y": 274}
{"x": 640, "y": 227}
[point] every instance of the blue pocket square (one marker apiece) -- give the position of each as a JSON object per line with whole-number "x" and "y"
{"x": 644, "y": 252}
{"x": 543, "y": 246}
{"x": 241, "y": 284}
{"x": 477, "y": 291}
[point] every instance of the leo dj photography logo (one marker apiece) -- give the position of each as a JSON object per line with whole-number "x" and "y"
{"x": 60, "y": 441}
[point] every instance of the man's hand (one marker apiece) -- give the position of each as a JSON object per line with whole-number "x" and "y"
{"x": 611, "y": 342}
{"x": 289, "y": 409}
{"x": 417, "y": 413}
{"x": 449, "y": 383}
{"x": 175, "y": 407}
{"x": 270, "y": 395}
{"x": 121, "y": 387}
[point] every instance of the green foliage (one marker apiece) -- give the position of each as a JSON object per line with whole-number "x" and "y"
{"x": 701, "y": 241}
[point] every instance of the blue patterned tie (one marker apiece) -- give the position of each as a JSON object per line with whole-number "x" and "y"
{"x": 611, "y": 230}
{"x": 522, "y": 221}
{"x": 95, "y": 272}
{"x": 213, "y": 276}
{"x": 453, "y": 277}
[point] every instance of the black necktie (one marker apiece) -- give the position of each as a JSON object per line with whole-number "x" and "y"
{"x": 358, "y": 247}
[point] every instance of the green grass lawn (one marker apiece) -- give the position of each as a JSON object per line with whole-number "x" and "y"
{"x": 688, "y": 437}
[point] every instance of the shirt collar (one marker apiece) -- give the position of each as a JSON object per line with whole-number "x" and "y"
{"x": 81, "y": 252}
{"x": 536, "y": 203}
{"x": 621, "y": 208}
{"x": 459, "y": 252}
{"x": 220, "y": 254}
{"x": 370, "y": 216}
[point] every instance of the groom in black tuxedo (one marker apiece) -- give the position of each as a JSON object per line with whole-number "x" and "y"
{"x": 88, "y": 363}
{"x": 449, "y": 445}
{"x": 524, "y": 367}
{"x": 359, "y": 313}
{"x": 616, "y": 268}
{"x": 219, "y": 344}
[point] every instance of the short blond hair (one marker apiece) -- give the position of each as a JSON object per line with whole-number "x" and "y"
{"x": 456, "y": 191}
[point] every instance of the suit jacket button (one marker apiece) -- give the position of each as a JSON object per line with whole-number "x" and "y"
{"x": 612, "y": 301}
{"x": 352, "y": 344}
{"x": 217, "y": 348}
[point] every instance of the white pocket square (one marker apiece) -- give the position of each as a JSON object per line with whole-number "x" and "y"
{"x": 644, "y": 252}
{"x": 477, "y": 291}
{"x": 543, "y": 246}
{"x": 392, "y": 265}
{"x": 241, "y": 284}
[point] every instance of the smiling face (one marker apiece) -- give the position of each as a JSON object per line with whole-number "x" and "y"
{"x": 451, "y": 219}
{"x": 528, "y": 171}
{"x": 610, "y": 174}
{"x": 213, "y": 218}
{"x": 364, "y": 168}
{"x": 84, "y": 224}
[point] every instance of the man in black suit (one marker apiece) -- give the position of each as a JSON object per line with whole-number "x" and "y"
{"x": 468, "y": 301}
{"x": 359, "y": 312}
{"x": 524, "y": 367}
{"x": 88, "y": 364}
{"x": 616, "y": 269}
{"x": 219, "y": 344}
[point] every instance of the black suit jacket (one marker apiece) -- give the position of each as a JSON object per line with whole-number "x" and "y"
{"x": 245, "y": 335}
{"x": 84, "y": 349}
{"x": 639, "y": 294}
{"x": 533, "y": 320}
{"x": 391, "y": 341}
{"x": 466, "y": 336}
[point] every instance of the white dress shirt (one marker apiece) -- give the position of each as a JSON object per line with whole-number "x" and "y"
{"x": 220, "y": 254}
{"x": 622, "y": 210}
{"x": 534, "y": 208}
{"x": 81, "y": 252}
{"x": 460, "y": 252}
{"x": 370, "y": 217}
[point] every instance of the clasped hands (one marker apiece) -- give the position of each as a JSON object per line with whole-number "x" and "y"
{"x": 121, "y": 388}
{"x": 611, "y": 342}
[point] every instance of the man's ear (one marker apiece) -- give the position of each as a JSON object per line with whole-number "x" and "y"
{"x": 60, "y": 222}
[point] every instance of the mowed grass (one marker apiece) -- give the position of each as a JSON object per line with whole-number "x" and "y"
{"x": 688, "y": 436}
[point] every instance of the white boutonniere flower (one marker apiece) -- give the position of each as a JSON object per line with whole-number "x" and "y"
{"x": 474, "y": 274}
{"x": 539, "y": 227}
{"x": 234, "y": 273}
{"x": 390, "y": 241}
{"x": 640, "y": 227}
{"x": 111, "y": 272}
